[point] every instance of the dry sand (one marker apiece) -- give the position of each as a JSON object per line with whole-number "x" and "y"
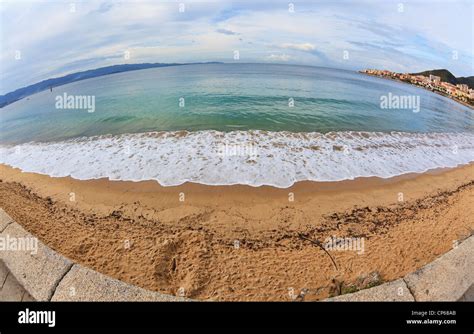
{"x": 141, "y": 233}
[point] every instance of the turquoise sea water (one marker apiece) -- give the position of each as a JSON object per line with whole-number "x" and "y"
{"x": 240, "y": 128}
{"x": 228, "y": 97}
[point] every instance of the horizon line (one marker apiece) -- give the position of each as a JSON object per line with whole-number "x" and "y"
{"x": 198, "y": 63}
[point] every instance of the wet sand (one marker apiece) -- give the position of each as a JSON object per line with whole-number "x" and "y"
{"x": 246, "y": 243}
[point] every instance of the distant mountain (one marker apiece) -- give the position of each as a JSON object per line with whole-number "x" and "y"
{"x": 447, "y": 76}
{"x": 55, "y": 82}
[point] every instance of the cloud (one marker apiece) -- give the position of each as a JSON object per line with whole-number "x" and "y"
{"x": 104, "y": 7}
{"x": 299, "y": 47}
{"x": 279, "y": 57}
{"x": 226, "y": 32}
{"x": 55, "y": 41}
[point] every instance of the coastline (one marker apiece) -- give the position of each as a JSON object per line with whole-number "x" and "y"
{"x": 280, "y": 159}
{"x": 430, "y": 90}
{"x": 190, "y": 244}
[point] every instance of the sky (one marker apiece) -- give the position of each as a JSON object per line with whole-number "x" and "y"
{"x": 45, "y": 39}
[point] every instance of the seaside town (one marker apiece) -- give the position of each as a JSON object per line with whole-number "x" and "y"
{"x": 460, "y": 92}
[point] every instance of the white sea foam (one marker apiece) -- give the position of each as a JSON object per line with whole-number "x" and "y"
{"x": 223, "y": 158}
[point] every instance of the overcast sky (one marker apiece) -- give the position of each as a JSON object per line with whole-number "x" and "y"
{"x": 56, "y": 38}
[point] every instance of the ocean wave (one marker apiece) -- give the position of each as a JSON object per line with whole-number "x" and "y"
{"x": 242, "y": 157}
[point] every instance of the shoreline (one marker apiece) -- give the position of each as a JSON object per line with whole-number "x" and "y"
{"x": 303, "y": 185}
{"x": 470, "y": 106}
{"x": 190, "y": 244}
{"x": 233, "y": 158}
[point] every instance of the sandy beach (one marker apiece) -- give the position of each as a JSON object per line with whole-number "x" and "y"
{"x": 242, "y": 242}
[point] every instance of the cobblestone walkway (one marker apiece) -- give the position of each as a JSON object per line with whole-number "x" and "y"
{"x": 10, "y": 289}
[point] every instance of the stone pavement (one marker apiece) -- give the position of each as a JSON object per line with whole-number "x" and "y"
{"x": 10, "y": 289}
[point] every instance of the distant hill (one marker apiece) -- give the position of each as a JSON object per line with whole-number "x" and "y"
{"x": 447, "y": 76}
{"x": 55, "y": 82}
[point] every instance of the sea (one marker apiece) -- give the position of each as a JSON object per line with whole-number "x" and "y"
{"x": 224, "y": 124}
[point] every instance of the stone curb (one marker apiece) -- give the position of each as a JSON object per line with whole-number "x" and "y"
{"x": 47, "y": 275}
{"x": 38, "y": 272}
{"x": 448, "y": 278}
{"x": 392, "y": 291}
{"x": 82, "y": 284}
{"x": 5, "y": 220}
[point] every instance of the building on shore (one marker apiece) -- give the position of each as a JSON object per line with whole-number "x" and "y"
{"x": 461, "y": 92}
{"x": 471, "y": 94}
{"x": 435, "y": 79}
{"x": 463, "y": 88}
